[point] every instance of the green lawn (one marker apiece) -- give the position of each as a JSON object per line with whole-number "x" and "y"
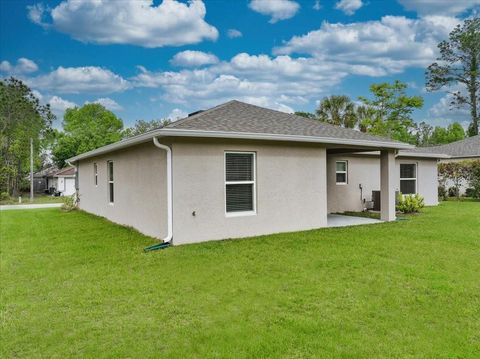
{"x": 75, "y": 285}
{"x": 37, "y": 199}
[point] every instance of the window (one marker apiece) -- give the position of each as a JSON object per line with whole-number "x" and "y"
{"x": 240, "y": 183}
{"x": 95, "y": 174}
{"x": 110, "y": 181}
{"x": 341, "y": 170}
{"x": 408, "y": 178}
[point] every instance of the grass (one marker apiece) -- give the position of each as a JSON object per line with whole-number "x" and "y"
{"x": 75, "y": 285}
{"x": 37, "y": 199}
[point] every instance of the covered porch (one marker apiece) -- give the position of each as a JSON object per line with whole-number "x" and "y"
{"x": 353, "y": 174}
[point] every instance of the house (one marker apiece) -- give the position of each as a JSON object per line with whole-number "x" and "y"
{"x": 44, "y": 180}
{"x": 466, "y": 149}
{"x": 65, "y": 181}
{"x": 239, "y": 170}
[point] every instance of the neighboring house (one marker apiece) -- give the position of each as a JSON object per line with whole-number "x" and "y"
{"x": 65, "y": 181}
{"x": 239, "y": 170}
{"x": 466, "y": 149}
{"x": 44, "y": 180}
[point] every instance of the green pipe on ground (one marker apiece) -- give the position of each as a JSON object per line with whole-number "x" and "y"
{"x": 156, "y": 247}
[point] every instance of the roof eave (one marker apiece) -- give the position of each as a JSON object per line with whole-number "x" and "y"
{"x": 423, "y": 155}
{"x": 170, "y": 132}
{"x": 279, "y": 137}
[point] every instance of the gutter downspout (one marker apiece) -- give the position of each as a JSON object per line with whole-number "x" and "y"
{"x": 168, "y": 238}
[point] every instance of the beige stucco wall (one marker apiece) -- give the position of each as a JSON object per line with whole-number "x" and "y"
{"x": 291, "y": 190}
{"x": 427, "y": 178}
{"x": 361, "y": 170}
{"x": 140, "y": 188}
{"x": 365, "y": 170}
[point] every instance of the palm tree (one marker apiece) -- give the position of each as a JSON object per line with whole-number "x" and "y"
{"x": 337, "y": 110}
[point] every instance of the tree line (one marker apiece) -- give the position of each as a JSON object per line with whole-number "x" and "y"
{"x": 387, "y": 113}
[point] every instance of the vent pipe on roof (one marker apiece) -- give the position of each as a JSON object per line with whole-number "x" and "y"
{"x": 169, "y": 236}
{"x": 194, "y": 113}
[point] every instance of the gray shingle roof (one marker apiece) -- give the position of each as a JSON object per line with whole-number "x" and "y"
{"x": 236, "y": 116}
{"x": 239, "y": 120}
{"x": 469, "y": 147}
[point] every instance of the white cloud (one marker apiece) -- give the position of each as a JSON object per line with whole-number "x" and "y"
{"x": 234, "y": 33}
{"x": 444, "y": 109}
{"x": 276, "y": 9}
{"x": 316, "y": 5}
{"x": 23, "y": 66}
{"x": 89, "y": 79}
{"x": 36, "y": 13}
{"x": 279, "y": 82}
{"x": 135, "y": 22}
{"x": 58, "y": 106}
{"x": 375, "y": 48}
{"x": 193, "y": 58}
{"x": 349, "y": 6}
{"x": 108, "y": 103}
{"x": 268, "y": 102}
{"x": 177, "y": 114}
{"x": 443, "y": 113}
{"x": 439, "y": 7}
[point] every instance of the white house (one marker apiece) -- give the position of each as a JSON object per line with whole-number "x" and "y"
{"x": 64, "y": 181}
{"x": 239, "y": 170}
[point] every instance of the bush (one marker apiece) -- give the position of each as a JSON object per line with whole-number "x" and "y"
{"x": 442, "y": 193}
{"x": 453, "y": 192}
{"x": 69, "y": 203}
{"x": 475, "y": 179}
{"x": 410, "y": 203}
{"x": 4, "y": 196}
{"x": 470, "y": 192}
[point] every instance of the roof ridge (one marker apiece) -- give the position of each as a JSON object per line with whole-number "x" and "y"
{"x": 182, "y": 120}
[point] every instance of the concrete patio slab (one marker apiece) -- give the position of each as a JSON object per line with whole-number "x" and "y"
{"x": 29, "y": 206}
{"x": 338, "y": 220}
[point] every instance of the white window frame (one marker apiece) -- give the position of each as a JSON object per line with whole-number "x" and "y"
{"x": 408, "y": 179}
{"x": 110, "y": 182}
{"x": 95, "y": 174}
{"x": 253, "y": 182}
{"x": 346, "y": 173}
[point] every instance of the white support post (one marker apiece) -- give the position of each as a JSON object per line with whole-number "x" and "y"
{"x": 387, "y": 185}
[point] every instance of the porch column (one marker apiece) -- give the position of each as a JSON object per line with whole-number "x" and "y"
{"x": 387, "y": 185}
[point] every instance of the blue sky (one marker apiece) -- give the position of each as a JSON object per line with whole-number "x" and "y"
{"x": 148, "y": 59}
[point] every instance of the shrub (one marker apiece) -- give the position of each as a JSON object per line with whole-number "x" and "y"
{"x": 453, "y": 192}
{"x": 4, "y": 196}
{"x": 69, "y": 203}
{"x": 410, "y": 203}
{"x": 475, "y": 179}
{"x": 470, "y": 192}
{"x": 442, "y": 193}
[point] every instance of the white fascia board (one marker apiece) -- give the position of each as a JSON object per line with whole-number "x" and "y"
{"x": 292, "y": 138}
{"x": 422, "y": 155}
{"x": 172, "y": 132}
{"x": 405, "y": 154}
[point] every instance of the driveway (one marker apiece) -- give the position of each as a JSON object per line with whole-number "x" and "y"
{"x": 29, "y": 206}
